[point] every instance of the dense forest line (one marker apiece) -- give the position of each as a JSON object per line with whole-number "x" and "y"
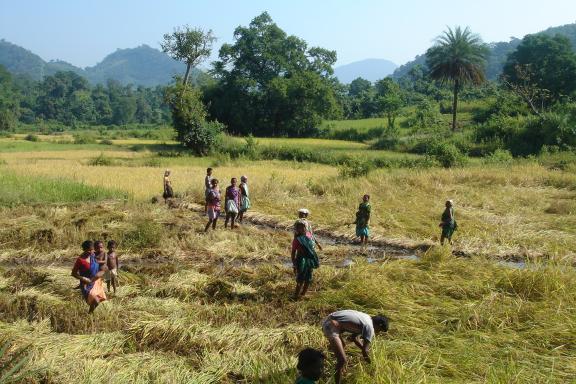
{"x": 269, "y": 83}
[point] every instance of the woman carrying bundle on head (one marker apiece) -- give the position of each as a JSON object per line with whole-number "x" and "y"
{"x": 244, "y": 198}
{"x": 168, "y": 192}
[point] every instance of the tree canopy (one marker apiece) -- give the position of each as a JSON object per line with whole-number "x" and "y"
{"x": 271, "y": 83}
{"x": 190, "y": 45}
{"x": 544, "y": 62}
{"x": 457, "y": 57}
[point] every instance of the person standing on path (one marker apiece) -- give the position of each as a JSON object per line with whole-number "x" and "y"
{"x": 448, "y": 223}
{"x": 363, "y": 220}
{"x": 304, "y": 260}
{"x": 232, "y": 202}
{"x": 303, "y": 214}
{"x": 362, "y": 328}
{"x": 207, "y": 187}
{"x": 168, "y": 191}
{"x": 213, "y": 205}
{"x": 244, "y": 198}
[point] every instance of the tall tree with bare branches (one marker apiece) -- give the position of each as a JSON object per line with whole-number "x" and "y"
{"x": 458, "y": 57}
{"x": 190, "y": 45}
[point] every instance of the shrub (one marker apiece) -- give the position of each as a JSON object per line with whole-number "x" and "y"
{"x": 84, "y": 139}
{"x": 101, "y": 160}
{"x": 152, "y": 162}
{"x": 389, "y": 139}
{"x": 446, "y": 154}
{"x": 169, "y": 154}
{"x": 31, "y": 137}
{"x": 499, "y": 156}
{"x": 106, "y": 142}
{"x": 251, "y": 148}
{"x": 354, "y": 134}
{"x": 189, "y": 120}
{"x": 354, "y": 168}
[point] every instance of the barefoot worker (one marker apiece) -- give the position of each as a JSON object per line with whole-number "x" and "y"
{"x": 363, "y": 220}
{"x": 232, "y": 203}
{"x": 304, "y": 259}
{"x": 213, "y": 205}
{"x": 362, "y": 328}
{"x": 207, "y": 186}
{"x": 244, "y": 198}
{"x": 168, "y": 192}
{"x": 88, "y": 271}
{"x": 303, "y": 214}
{"x": 310, "y": 365}
{"x": 448, "y": 223}
{"x": 111, "y": 275}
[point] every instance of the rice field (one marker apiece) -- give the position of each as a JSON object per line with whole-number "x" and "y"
{"x": 216, "y": 308}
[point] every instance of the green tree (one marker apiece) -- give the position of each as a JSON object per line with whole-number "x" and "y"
{"x": 458, "y": 57}
{"x": 359, "y": 86}
{"x": 542, "y": 70}
{"x": 102, "y": 108}
{"x": 270, "y": 83}
{"x": 190, "y": 45}
{"x": 189, "y": 119}
{"x": 389, "y": 99}
{"x": 8, "y": 101}
{"x": 59, "y": 94}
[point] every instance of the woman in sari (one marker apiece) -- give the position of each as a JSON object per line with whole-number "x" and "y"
{"x": 212, "y": 204}
{"x": 244, "y": 198}
{"x": 363, "y": 220}
{"x": 304, "y": 259}
{"x": 88, "y": 271}
{"x": 232, "y": 203}
{"x": 448, "y": 223}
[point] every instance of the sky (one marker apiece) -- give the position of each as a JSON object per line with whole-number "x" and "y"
{"x": 83, "y": 32}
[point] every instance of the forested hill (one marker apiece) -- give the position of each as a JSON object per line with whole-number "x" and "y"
{"x": 498, "y": 52}
{"x": 143, "y": 65}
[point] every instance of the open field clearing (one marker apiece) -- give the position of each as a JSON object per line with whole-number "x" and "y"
{"x": 522, "y": 210}
{"x": 216, "y": 308}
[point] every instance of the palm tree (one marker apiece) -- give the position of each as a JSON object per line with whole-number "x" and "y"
{"x": 458, "y": 57}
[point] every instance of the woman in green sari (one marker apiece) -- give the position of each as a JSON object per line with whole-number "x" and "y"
{"x": 304, "y": 259}
{"x": 244, "y": 198}
{"x": 363, "y": 220}
{"x": 448, "y": 223}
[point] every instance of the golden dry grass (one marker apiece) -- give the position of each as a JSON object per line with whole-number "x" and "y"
{"x": 522, "y": 211}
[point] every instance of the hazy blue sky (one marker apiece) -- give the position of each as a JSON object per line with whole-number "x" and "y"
{"x": 82, "y": 32}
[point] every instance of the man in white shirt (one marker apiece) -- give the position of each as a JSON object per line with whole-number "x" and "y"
{"x": 362, "y": 328}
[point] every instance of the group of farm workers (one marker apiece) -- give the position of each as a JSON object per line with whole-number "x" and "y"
{"x": 236, "y": 199}
{"x": 94, "y": 264}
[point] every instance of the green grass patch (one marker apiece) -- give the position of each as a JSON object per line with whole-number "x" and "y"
{"x": 21, "y": 189}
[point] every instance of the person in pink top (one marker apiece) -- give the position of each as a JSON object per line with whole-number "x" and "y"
{"x": 213, "y": 205}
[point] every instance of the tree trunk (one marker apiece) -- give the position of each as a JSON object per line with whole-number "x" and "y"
{"x": 454, "y": 105}
{"x": 188, "y": 66}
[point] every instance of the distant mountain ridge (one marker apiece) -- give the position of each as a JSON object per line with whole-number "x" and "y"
{"x": 143, "y": 65}
{"x": 368, "y": 69}
{"x": 498, "y": 52}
